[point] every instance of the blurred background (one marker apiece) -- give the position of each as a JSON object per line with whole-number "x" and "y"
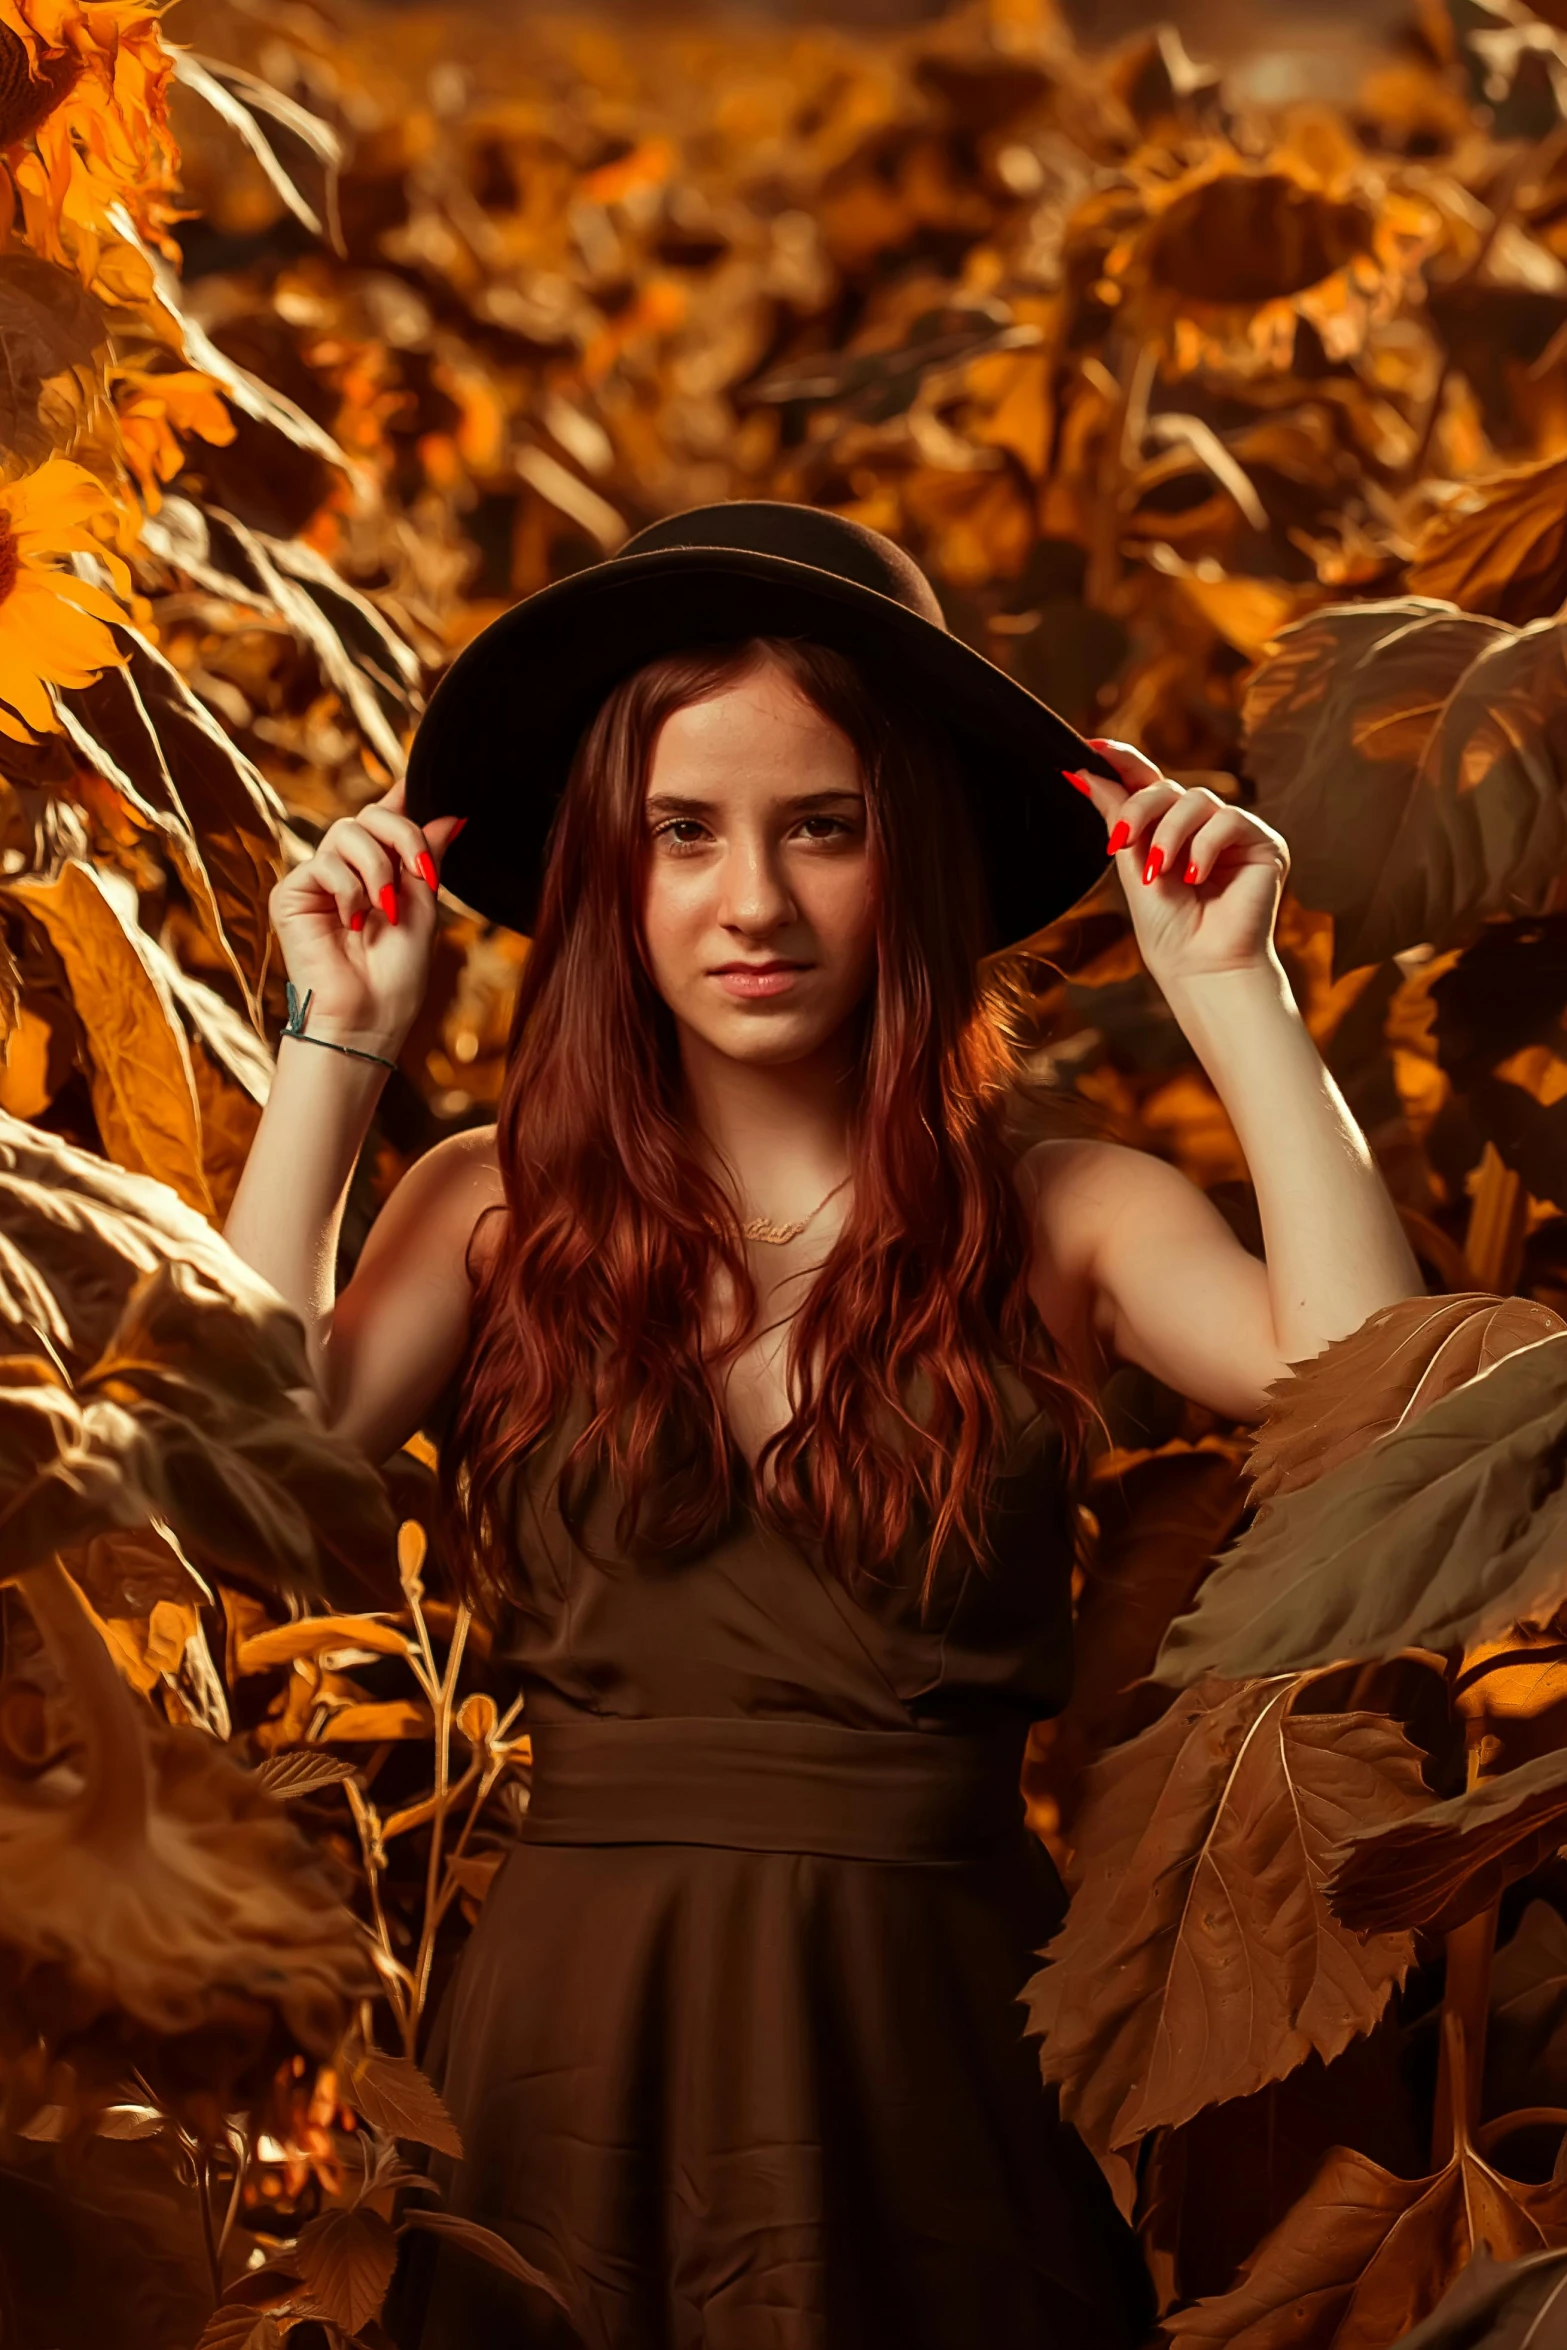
{"x": 1212, "y": 365}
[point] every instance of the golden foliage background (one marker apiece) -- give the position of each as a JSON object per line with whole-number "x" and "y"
{"x": 1240, "y": 431}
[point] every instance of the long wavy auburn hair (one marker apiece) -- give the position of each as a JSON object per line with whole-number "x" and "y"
{"x": 614, "y": 1232}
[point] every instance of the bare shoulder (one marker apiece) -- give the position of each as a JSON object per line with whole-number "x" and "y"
{"x": 441, "y": 1206}
{"x": 1073, "y": 1183}
{"x": 463, "y": 1165}
{"x": 1077, "y": 1189}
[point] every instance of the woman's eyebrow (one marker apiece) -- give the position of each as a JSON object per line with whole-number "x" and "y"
{"x": 684, "y": 804}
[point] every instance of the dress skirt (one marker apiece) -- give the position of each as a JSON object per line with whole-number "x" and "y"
{"x": 769, "y": 2093}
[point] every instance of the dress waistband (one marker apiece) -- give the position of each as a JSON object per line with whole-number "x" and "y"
{"x": 775, "y": 1786}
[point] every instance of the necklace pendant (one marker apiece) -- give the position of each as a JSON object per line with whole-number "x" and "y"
{"x": 760, "y": 1229}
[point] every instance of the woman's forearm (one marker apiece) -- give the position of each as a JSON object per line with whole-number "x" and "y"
{"x": 287, "y": 1211}
{"x": 1336, "y": 1250}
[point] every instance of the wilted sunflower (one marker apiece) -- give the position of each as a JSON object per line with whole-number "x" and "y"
{"x": 154, "y": 410}
{"x": 1222, "y": 257}
{"x": 157, "y": 1907}
{"x": 54, "y": 627}
{"x": 87, "y": 84}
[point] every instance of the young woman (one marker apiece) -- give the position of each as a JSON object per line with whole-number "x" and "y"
{"x": 768, "y": 1350}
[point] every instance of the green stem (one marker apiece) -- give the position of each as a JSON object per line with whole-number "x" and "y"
{"x": 204, "y": 2197}
{"x": 432, "y": 1882}
{"x": 1466, "y": 2000}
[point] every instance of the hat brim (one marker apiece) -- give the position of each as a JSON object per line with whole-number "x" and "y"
{"x": 503, "y": 724}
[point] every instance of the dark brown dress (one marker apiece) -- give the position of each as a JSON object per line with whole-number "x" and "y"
{"x": 735, "y": 2047}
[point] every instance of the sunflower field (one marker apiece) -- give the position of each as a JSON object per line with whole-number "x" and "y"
{"x": 1237, "y": 430}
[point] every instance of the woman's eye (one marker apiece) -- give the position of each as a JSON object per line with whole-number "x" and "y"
{"x": 688, "y": 832}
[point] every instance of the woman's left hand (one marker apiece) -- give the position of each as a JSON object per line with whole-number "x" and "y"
{"x": 1202, "y": 878}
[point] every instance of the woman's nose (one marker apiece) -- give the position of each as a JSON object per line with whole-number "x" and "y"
{"x": 754, "y": 894}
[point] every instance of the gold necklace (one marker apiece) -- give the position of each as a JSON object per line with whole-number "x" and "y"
{"x": 759, "y": 1228}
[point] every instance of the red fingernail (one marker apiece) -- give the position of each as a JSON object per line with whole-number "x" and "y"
{"x": 1119, "y": 838}
{"x": 1097, "y": 742}
{"x": 356, "y": 921}
{"x": 426, "y": 864}
{"x": 389, "y": 902}
{"x": 1190, "y": 874}
{"x": 1077, "y": 779}
{"x": 457, "y": 827}
{"x": 1152, "y": 869}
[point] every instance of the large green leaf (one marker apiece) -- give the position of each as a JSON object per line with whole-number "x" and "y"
{"x": 1446, "y": 1529}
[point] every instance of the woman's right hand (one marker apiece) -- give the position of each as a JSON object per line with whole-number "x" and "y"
{"x": 357, "y": 922}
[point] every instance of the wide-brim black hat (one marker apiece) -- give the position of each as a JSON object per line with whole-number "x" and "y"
{"x": 503, "y": 724}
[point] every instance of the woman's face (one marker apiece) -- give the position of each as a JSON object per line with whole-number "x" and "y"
{"x": 758, "y": 910}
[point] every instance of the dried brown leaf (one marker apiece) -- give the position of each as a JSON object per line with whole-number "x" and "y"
{"x": 232, "y": 811}
{"x": 1382, "y": 1376}
{"x": 189, "y": 1419}
{"x": 148, "y": 1647}
{"x": 1498, "y": 2305}
{"x": 317, "y": 1636}
{"x": 366, "y": 1725}
{"x": 394, "y": 2095}
{"x": 1442, "y": 1531}
{"x": 476, "y": 1872}
{"x": 144, "y": 1092}
{"x": 155, "y": 1879}
{"x": 1199, "y": 1960}
{"x": 191, "y": 1382}
{"x": 48, "y": 322}
{"x": 346, "y": 2259}
{"x": 477, "y": 1717}
{"x": 1439, "y": 1866}
{"x": 1162, "y": 1515}
{"x": 1526, "y": 2037}
{"x": 130, "y": 2122}
{"x": 1410, "y": 755}
{"x": 101, "y": 2248}
{"x": 241, "y": 2329}
{"x": 1500, "y": 546}
{"x": 1364, "y": 2255}
{"x": 272, "y": 2286}
{"x": 76, "y": 1235}
{"x": 128, "y": 1572}
{"x": 302, "y": 1772}
{"x": 264, "y": 117}
{"x": 468, "y": 2236}
{"x": 219, "y": 819}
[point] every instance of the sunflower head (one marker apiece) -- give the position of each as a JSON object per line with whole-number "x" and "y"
{"x": 29, "y": 92}
{"x": 1220, "y": 259}
{"x": 84, "y": 124}
{"x": 55, "y": 629}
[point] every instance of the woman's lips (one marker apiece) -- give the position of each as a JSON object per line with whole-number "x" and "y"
{"x": 760, "y": 983}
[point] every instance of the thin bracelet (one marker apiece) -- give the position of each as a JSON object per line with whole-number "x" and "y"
{"x": 296, "y": 1027}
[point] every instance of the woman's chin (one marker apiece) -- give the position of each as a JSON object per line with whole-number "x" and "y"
{"x": 763, "y": 1035}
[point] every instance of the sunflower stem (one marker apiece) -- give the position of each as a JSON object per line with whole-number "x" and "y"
{"x": 208, "y": 2232}
{"x": 1466, "y": 1999}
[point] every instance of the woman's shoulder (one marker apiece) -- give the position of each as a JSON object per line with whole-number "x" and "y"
{"x": 1077, "y": 1185}
{"x": 1062, "y": 1180}
{"x": 1074, "y": 1189}
{"x": 1076, "y": 1176}
{"x": 450, "y": 1192}
{"x": 468, "y": 1161}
